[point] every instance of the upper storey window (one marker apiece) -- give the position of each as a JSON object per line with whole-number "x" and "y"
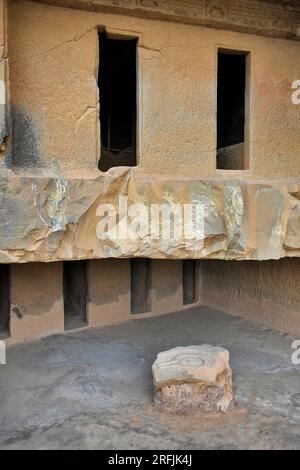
{"x": 118, "y": 101}
{"x": 231, "y": 112}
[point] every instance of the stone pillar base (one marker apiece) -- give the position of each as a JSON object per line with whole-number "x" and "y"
{"x": 193, "y": 379}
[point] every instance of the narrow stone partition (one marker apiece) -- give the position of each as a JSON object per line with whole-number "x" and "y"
{"x": 36, "y": 300}
{"x": 166, "y": 286}
{"x": 109, "y": 291}
{"x": 193, "y": 379}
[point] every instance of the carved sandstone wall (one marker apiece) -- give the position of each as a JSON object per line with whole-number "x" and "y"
{"x": 4, "y": 84}
{"x": 50, "y": 196}
{"x": 54, "y": 64}
{"x": 48, "y": 219}
{"x": 50, "y": 187}
{"x": 278, "y": 18}
{"x": 267, "y": 293}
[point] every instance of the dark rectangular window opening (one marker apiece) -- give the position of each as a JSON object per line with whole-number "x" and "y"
{"x": 118, "y": 101}
{"x": 4, "y": 300}
{"x": 140, "y": 285}
{"x": 75, "y": 294}
{"x": 231, "y": 108}
{"x": 189, "y": 280}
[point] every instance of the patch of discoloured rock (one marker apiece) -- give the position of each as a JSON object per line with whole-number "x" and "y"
{"x": 193, "y": 378}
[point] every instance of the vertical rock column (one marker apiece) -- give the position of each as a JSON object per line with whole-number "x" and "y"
{"x": 4, "y": 80}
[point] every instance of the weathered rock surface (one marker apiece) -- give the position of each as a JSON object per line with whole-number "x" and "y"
{"x": 47, "y": 214}
{"x": 55, "y": 217}
{"x": 257, "y": 16}
{"x": 193, "y": 378}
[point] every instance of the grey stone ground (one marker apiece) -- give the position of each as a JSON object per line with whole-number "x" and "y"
{"x": 93, "y": 389}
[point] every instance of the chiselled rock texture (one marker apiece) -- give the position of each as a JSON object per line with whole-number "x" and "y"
{"x": 270, "y": 17}
{"x": 55, "y": 104}
{"x": 193, "y": 378}
{"x": 49, "y": 201}
{"x": 55, "y": 218}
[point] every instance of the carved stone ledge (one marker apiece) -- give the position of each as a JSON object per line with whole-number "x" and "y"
{"x": 272, "y": 18}
{"x": 53, "y": 218}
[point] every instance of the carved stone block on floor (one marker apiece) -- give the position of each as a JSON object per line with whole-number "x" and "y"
{"x": 193, "y": 378}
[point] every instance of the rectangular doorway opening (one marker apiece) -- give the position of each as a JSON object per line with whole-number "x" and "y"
{"x": 189, "y": 281}
{"x": 118, "y": 101}
{"x": 140, "y": 285}
{"x": 231, "y": 110}
{"x": 4, "y": 300}
{"x": 75, "y": 294}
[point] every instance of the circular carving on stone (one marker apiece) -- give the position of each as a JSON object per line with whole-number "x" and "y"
{"x": 191, "y": 360}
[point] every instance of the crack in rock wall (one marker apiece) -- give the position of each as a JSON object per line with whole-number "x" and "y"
{"x": 50, "y": 219}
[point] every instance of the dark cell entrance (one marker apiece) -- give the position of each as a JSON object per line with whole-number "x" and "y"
{"x": 231, "y": 110}
{"x": 189, "y": 280}
{"x": 75, "y": 294}
{"x": 4, "y": 299}
{"x": 140, "y": 285}
{"x": 118, "y": 102}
